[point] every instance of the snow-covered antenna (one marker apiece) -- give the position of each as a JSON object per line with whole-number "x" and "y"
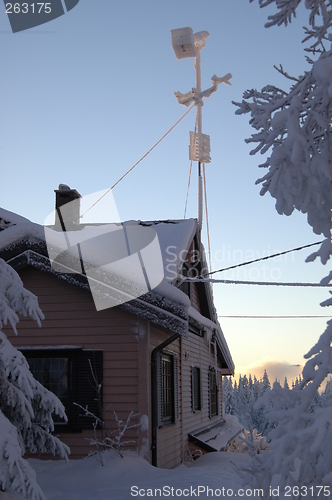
{"x": 186, "y": 44}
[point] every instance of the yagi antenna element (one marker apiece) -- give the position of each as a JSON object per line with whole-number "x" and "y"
{"x": 183, "y": 43}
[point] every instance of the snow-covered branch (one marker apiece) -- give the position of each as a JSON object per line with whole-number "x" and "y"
{"x": 296, "y": 128}
{"x": 26, "y": 407}
{"x": 320, "y": 19}
{"x": 15, "y": 299}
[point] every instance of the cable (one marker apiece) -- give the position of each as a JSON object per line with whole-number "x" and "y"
{"x": 185, "y": 208}
{"x": 262, "y": 258}
{"x": 206, "y": 215}
{"x": 191, "y": 165}
{"x": 139, "y": 161}
{"x": 274, "y": 317}
{"x": 262, "y": 283}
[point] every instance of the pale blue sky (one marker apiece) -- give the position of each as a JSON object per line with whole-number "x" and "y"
{"x": 84, "y": 97}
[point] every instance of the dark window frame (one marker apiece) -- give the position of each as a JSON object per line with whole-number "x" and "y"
{"x": 213, "y": 393}
{"x": 167, "y": 387}
{"x": 200, "y": 332}
{"x": 196, "y": 389}
{"x": 80, "y": 388}
{"x": 168, "y": 406}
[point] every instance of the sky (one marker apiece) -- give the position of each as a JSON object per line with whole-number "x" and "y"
{"x": 85, "y": 96}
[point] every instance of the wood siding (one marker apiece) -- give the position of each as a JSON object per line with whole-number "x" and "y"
{"x": 196, "y": 352}
{"x": 194, "y": 298}
{"x": 72, "y": 320}
{"x": 169, "y": 438}
{"x": 127, "y": 342}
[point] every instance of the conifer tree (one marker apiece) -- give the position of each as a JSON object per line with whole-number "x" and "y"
{"x": 327, "y": 394}
{"x": 295, "y": 127}
{"x": 26, "y": 407}
{"x": 229, "y": 399}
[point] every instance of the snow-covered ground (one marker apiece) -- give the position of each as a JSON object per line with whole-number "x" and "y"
{"x": 213, "y": 475}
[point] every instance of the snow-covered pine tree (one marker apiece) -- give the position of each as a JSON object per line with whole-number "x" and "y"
{"x": 26, "y": 407}
{"x": 327, "y": 394}
{"x": 295, "y": 126}
{"x": 240, "y": 399}
{"x": 265, "y": 384}
{"x": 229, "y": 398}
{"x": 255, "y": 388}
{"x": 243, "y": 399}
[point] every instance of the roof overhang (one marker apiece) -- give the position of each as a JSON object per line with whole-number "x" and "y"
{"x": 216, "y": 436}
{"x": 161, "y": 310}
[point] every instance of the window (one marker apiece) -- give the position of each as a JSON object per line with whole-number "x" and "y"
{"x": 195, "y": 330}
{"x": 213, "y": 392}
{"x": 52, "y": 373}
{"x": 167, "y": 389}
{"x": 67, "y": 373}
{"x": 196, "y": 388}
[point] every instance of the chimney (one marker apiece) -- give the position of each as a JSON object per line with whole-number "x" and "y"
{"x": 67, "y": 218}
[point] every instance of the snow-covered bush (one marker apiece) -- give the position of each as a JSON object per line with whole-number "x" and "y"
{"x": 304, "y": 432}
{"x": 294, "y": 126}
{"x": 26, "y": 407}
{"x": 241, "y": 444}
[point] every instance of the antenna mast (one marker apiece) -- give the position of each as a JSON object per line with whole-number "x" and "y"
{"x": 186, "y": 44}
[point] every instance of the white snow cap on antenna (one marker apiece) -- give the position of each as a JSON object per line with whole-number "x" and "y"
{"x": 183, "y": 43}
{"x": 201, "y": 35}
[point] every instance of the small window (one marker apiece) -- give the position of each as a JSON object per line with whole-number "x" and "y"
{"x": 67, "y": 373}
{"x": 196, "y": 331}
{"x": 52, "y": 373}
{"x": 213, "y": 392}
{"x": 167, "y": 389}
{"x": 196, "y": 388}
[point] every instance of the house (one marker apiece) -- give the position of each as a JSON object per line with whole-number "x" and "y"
{"x": 161, "y": 355}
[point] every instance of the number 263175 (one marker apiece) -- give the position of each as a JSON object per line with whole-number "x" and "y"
{"x": 25, "y": 8}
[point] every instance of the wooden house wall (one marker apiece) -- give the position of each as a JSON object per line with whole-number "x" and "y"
{"x": 194, "y": 298}
{"x": 169, "y": 438}
{"x": 127, "y": 342}
{"x": 72, "y": 320}
{"x": 196, "y": 352}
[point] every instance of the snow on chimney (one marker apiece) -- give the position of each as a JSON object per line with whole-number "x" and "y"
{"x": 67, "y": 208}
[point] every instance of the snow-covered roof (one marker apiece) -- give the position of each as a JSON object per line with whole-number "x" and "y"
{"x": 165, "y": 305}
{"x": 216, "y": 437}
{"x": 175, "y": 236}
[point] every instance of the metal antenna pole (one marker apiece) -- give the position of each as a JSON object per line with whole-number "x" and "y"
{"x": 199, "y": 105}
{"x": 186, "y": 44}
